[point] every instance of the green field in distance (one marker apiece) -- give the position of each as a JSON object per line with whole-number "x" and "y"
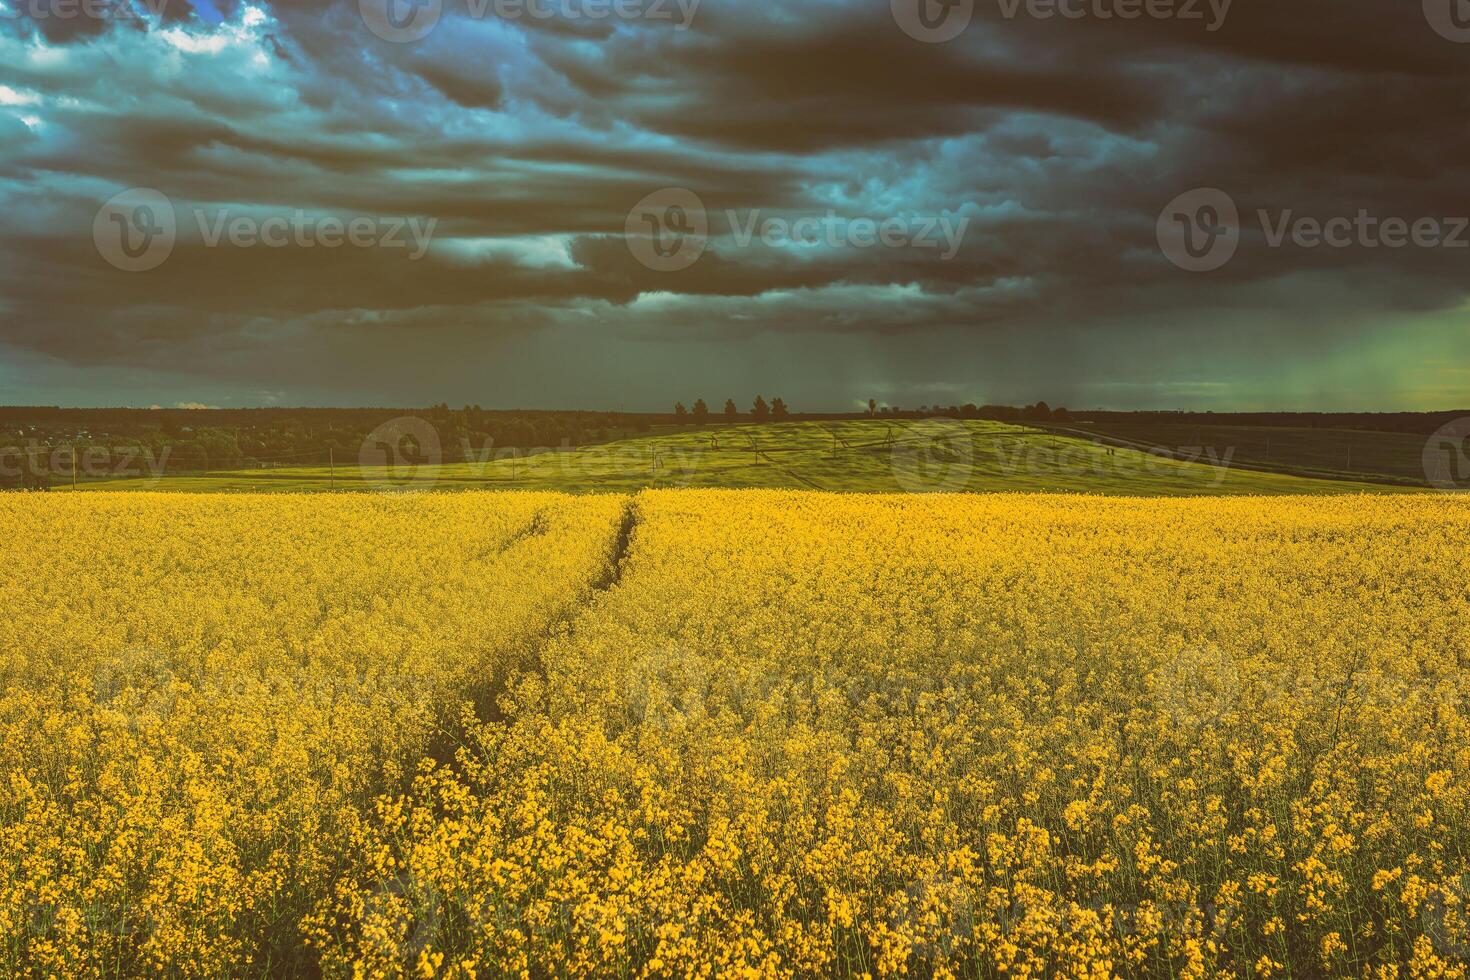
{"x": 938, "y": 455}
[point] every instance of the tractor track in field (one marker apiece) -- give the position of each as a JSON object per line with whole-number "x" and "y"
{"x": 622, "y": 545}
{"x": 529, "y": 658}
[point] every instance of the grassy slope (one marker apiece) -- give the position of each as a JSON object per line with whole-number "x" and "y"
{"x": 1332, "y": 453}
{"x": 872, "y": 456}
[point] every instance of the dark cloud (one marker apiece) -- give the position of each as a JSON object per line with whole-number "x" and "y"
{"x": 1057, "y": 141}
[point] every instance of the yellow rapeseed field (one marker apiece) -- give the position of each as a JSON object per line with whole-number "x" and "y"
{"x": 700, "y": 733}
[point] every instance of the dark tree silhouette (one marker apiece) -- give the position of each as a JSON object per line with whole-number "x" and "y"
{"x": 760, "y": 411}
{"x": 779, "y": 410}
{"x": 701, "y": 412}
{"x": 731, "y": 412}
{"x": 681, "y": 414}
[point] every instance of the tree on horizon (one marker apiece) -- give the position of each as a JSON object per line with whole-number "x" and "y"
{"x": 760, "y": 411}
{"x": 681, "y": 414}
{"x": 731, "y": 412}
{"x": 701, "y": 412}
{"x": 779, "y": 410}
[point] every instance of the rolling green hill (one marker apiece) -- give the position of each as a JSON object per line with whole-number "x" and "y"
{"x": 863, "y": 456}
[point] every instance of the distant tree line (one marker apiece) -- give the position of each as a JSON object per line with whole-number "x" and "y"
{"x": 1040, "y": 412}
{"x": 760, "y": 411}
{"x": 777, "y": 410}
{"x": 198, "y": 439}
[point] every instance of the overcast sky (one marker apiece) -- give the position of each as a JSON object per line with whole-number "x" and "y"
{"x": 988, "y": 194}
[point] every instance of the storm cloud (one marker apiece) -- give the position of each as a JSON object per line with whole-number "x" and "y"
{"x": 829, "y": 143}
